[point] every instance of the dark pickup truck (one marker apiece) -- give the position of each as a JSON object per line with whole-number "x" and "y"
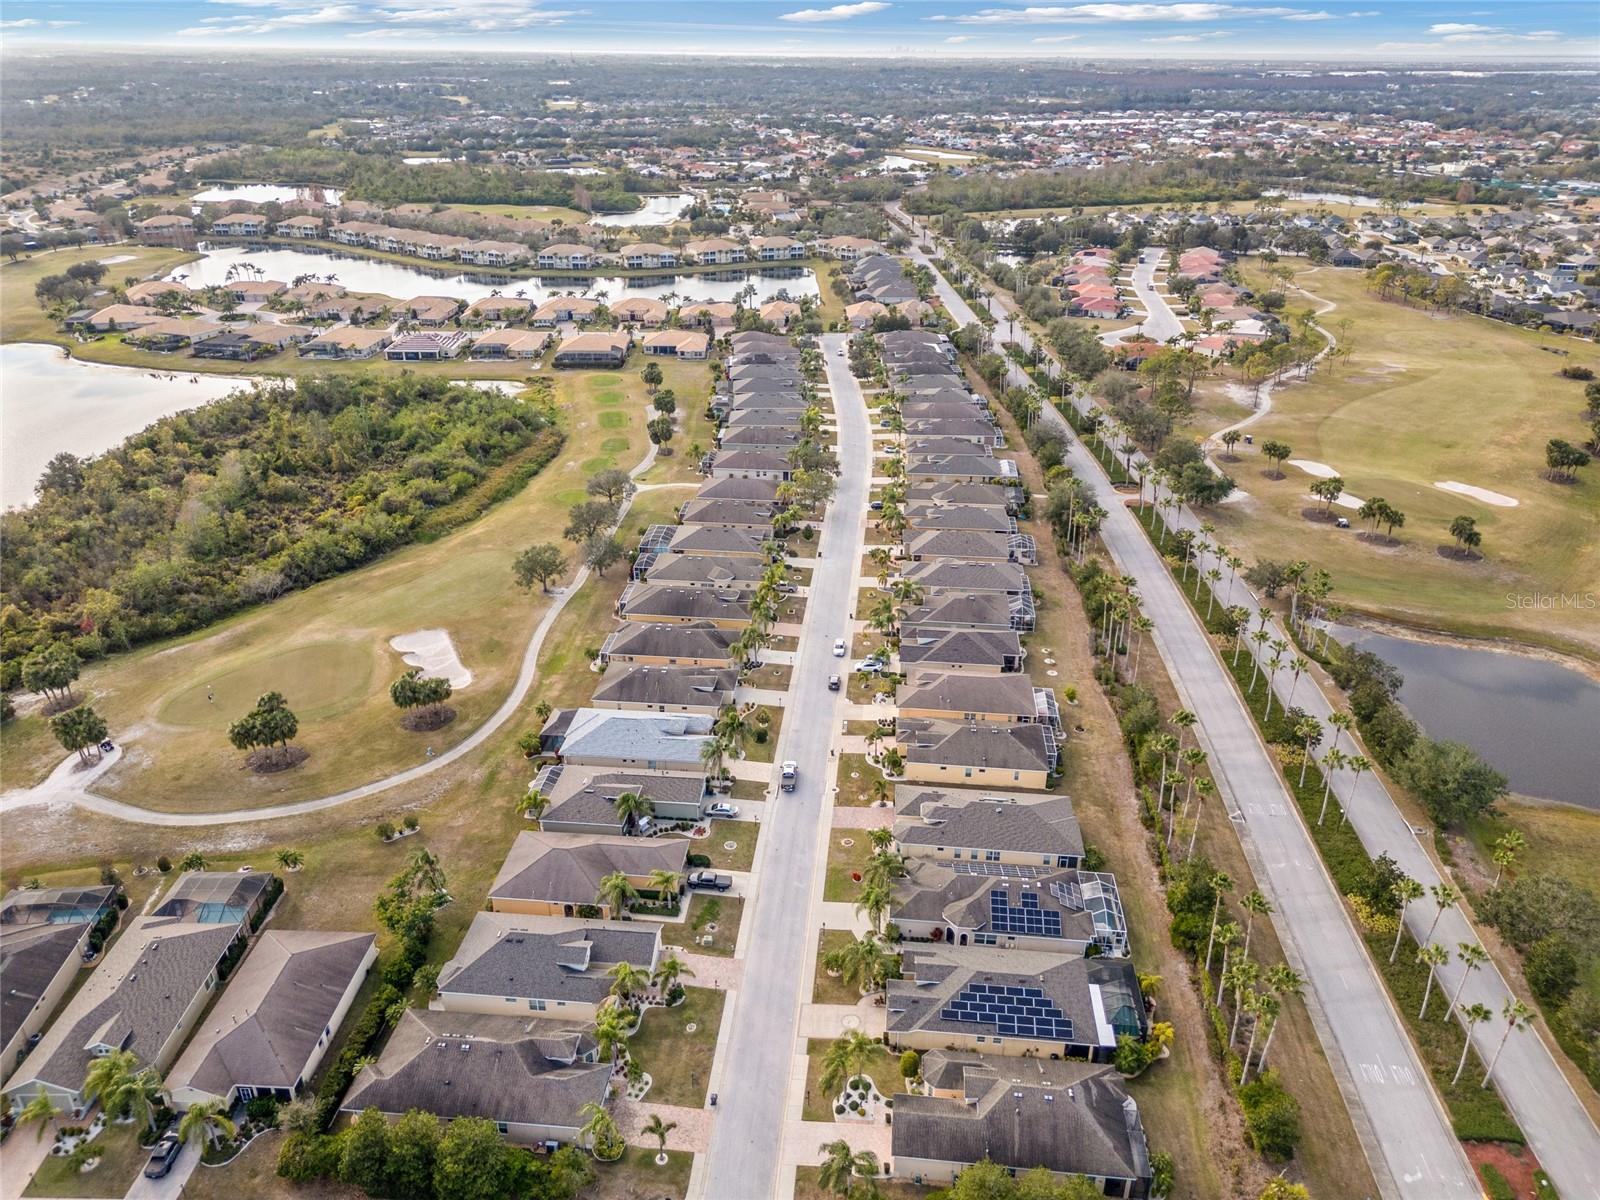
{"x": 710, "y": 880}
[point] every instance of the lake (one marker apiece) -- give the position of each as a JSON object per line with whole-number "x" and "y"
{"x": 361, "y": 274}
{"x": 1536, "y": 721}
{"x": 262, "y": 193}
{"x": 657, "y": 210}
{"x": 50, "y": 403}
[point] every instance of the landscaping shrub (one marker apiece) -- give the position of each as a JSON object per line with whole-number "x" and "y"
{"x": 1271, "y": 1117}
{"x": 363, "y": 1035}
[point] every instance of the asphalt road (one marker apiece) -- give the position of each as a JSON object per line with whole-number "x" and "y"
{"x": 755, "y": 1059}
{"x": 1160, "y": 321}
{"x": 1390, "y": 1099}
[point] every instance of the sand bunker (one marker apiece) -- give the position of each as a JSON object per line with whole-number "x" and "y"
{"x": 1478, "y": 493}
{"x": 435, "y": 653}
{"x": 1311, "y": 467}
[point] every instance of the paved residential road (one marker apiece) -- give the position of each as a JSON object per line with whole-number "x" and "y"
{"x": 1160, "y": 321}
{"x": 1391, "y": 1101}
{"x": 754, "y": 1061}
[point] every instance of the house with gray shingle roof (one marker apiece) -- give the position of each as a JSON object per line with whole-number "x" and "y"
{"x": 144, "y": 997}
{"x": 965, "y": 824}
{"x": 666, "y": 689}
{"x": 698, "y": 644}
{"x": 531, "y": 1076}
{"x": 966, "y": 651}
{"x": 964, "y": 610}
{"x": 1073, "y": 1119}
{"x": 552, "y": 874}
{"x": 276, "y": 1019}
{"x": 511, "y": 964}
{"x": 1062, "y": 911}
{"x": 663, "y": 603}
{"x": 716, "y": 572}
{"x": 937, "y": 577}
{"x": 1013, "y": 1002}
{"x": 976, "y": 753}
{"x": 605, "y": 738}
{"x": 43, "y": 934}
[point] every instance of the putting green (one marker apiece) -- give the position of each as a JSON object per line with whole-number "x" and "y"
{"x": 613, "y": 420}
{"x": 605, "y": 379}
{"x": 571, "y": 496}
{"x": 614, "y": 445}
{"x": 608, "y": 397}
{"x": 603, "y": 462}
{"x": 318, "y": 680}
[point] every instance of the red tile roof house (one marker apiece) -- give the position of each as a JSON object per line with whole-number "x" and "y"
{"x": 678, "y": 343}
{"x": 1097, "y": 306}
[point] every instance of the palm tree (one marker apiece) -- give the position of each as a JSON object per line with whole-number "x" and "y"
{"x": 598, "y": 1129}
{"x": 1257, "y": 905}
{"x": 1445, "y": 897}
{"x": 611, "y": 1026}
{"x": 1309, "y": 731}
{"x": 713, "y": 752}
{"x": 1518, "y": 1016}
{"x": 882, "y": 837}
{"x": 634, "y": 808}
{"x": 861, "y": 963}
{"x": 1406, "y": 889}
{"x": 1299, "y": 665}
{"x": 841, "y": 1164}
{"x": 666, "y": 884}
{"x": 1471, "y": 1015}
{"x": 291, "y": 860}
{"x": 1226, "y": 935}
{"x": 669, "y": 971}
{"x": 1241, "y": 978}
{"x": 1357, "y": 763}
{"x": 41, "y": 1109}
{"x": 874, "y": 902}
{"x": 106, "y": 1080}
{"x": 1331, "y": 762}
{"x": 1204, "y": 789}
{"x": 1221, "y": 883}
{"x": 616, "y": 893}
{"x": 425, "y": 871}
{"x": 627, "y": 980}
{"x": 846, "y": 1058}
{"x": 882, "y": 869}
{"x": 533, "y": 804}
{"x": 1433, "y": 957}
{"x": 1264, "y": 1008}
{"x": 1472, "y": 957}
{"x": 1185, "y": 722}
{"x": 208, "y": 1119}
{"x": 1506, "y": 849}
{"x": 1282, "y": 980}
{"x": 1341, "y": 721}
{"x": 657, "y": 1128}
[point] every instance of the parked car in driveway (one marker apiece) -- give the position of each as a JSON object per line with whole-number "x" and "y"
{"x": 720, "y": 809}
{"x": 709, "y": 881}
{"x": 162, "y": 1155}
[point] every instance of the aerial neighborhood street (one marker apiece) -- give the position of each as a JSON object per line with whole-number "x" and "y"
{"x": 747, "y": 602}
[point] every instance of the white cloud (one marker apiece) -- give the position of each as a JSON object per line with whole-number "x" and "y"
{"x": 1064, "y": 14}
{"x": 1312, "y": 16}
{"x": 36, "y": 23}
{"x": 839, "y": 12}
{"x": 957, "y": 39}
{"x": 331, "y": 14}
{"x": 1053, "y": 38}
{"x": 1453, "y": 27}
{"x": 1187, "y": 37}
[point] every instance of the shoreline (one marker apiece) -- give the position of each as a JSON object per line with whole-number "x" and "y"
{"x": 1393, "y": 627}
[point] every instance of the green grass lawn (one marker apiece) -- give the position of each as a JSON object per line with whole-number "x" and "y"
{"x": 327, "y": 649}
{"x": 123, "y": 1159}
{"x": 707, "y": 909}
{"x": 744, "y": 833}
{"x": 635, "y": 1176}
{"x": 679, "y": 1062}
{"x": 842, "y": 860}
{"x": 828, "y": 990}
{"x": 1427, "y": 399}
{"x": 525, "y": 212}
{"x": 763, "y": 752}
{"x": 883, "y": 1068}
{"x": 21, "y": 318}
{"x": 807, "y": 1186}
{"x": 856, "y": 777}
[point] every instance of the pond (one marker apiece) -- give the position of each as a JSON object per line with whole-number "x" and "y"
{"x": 657, "y": 210}
{"x": 401, "y": 281}
{"x": 50, "y": 403}
{"x": 262, "y": 193}
{"x": 1536, "y": 721}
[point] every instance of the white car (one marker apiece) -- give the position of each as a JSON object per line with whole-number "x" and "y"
{"x": 722, "y": 810}
{"x": 869, "y": 666}
{"x": 840, "y": 352}
{"x": 838, "y": 647}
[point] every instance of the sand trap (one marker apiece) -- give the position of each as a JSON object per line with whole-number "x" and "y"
{"x": 435, "y": 653}
{"x": 1478, "y": 493}
{"x": 118, "y": 258}
{"x": 1348, "y": 501}
{"x": 1312, "y": 467}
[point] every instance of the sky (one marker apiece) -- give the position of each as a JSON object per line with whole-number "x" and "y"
{"x": 1310, "y": 30}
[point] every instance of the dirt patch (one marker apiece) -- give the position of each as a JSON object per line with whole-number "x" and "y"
{"x": 1457, "y": 554}
{"x": 1320, "y": 515}
{"x": 1515, "y": 1164}
{"x": 1379, "y": 539}
{"x": 1273, "y": 473}
{"x": 426, "y": 720}
{"x": 270, "y": 762}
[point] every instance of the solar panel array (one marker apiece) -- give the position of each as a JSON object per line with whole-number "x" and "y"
{"x": 1026, "y": 918}
{"x": 1013, "y": 1011}
{"x": 995, "y": 870}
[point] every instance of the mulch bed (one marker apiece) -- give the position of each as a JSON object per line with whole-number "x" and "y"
{"x": 1516, "y": 1163}
{"x": 1379, "y": 539}
{"x": 1320, "y": 515}
{"x": 1457, "y": 554}
{"x": 270, "y": 762}
{"x": 426, "y": 720}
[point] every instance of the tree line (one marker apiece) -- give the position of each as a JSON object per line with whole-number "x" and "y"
{"x": 272, "y": 488}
